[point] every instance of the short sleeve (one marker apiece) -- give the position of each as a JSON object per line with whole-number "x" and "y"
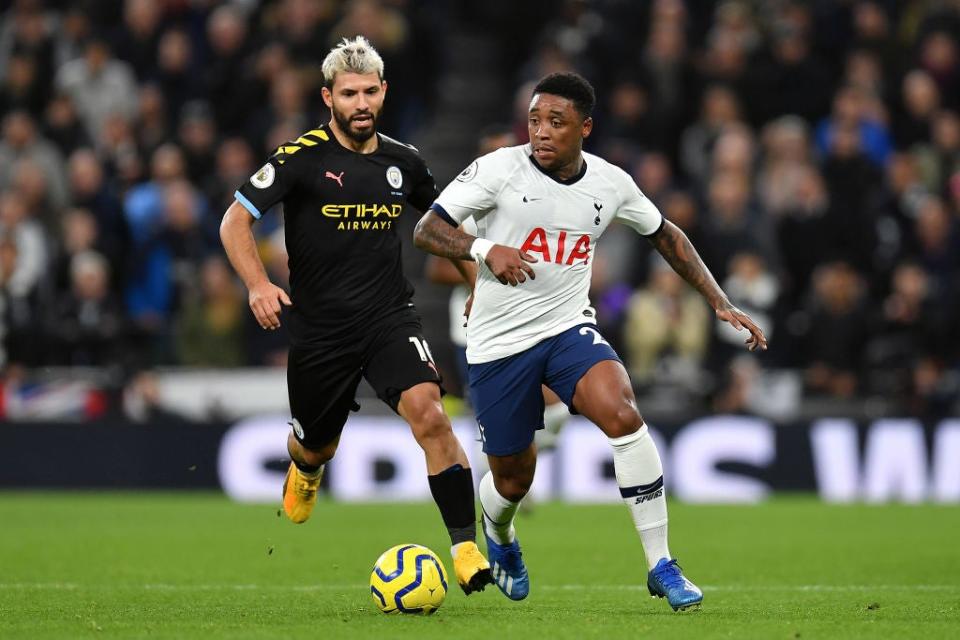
{"x": 424, "y": 190}
{"x": 474, "y": 191}
{"x": 636, "y": 210}
{"x": 470, "y": 226}
{"x": 268, "y": 186}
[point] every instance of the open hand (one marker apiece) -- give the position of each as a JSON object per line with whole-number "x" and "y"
{"x": 739, "y": 320}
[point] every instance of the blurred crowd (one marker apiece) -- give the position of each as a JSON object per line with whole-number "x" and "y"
{"x": 127, "y": 125}
{"x": 810, "y": 149}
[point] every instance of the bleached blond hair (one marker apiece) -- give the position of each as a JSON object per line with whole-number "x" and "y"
{"x": 352, "y": 56}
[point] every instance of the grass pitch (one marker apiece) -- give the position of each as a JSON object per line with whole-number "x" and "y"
{"x": 86, "y": 565}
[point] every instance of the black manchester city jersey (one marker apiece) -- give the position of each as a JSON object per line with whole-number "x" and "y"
{"x": 340, "y": 213}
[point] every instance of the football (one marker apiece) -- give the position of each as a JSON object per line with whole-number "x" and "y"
{"x": 408, "y": 578}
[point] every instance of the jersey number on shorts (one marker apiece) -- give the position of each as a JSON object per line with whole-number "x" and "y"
{"x": 423, "y": 349}
{"x": 597, "y": 338}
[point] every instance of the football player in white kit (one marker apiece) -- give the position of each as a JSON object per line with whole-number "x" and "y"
{"x": 546, "y": 204}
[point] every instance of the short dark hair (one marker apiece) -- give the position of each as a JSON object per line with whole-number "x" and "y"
{"x": 573, "y": 87}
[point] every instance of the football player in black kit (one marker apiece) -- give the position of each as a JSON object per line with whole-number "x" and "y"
{"x": 350, "y": 314}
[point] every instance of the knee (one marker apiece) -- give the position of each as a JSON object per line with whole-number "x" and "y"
{"x": 512, "y": 488}
{"x": 622, "y": 421}
{"x": 429, "y": 422}
{"x": 513, "y": 484}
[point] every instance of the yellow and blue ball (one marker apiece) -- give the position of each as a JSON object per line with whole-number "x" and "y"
{"x": 408, "y": 578}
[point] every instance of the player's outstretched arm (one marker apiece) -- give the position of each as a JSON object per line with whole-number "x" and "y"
{"x": 236, "y": 233}
{"x": 676, "y": 248}
{"x": 435, "y": 235}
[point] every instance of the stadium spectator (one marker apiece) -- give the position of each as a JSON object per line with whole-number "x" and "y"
{"x": 234, "y": 164}
{"x": 197, "y": 135}
{"x": 753, "y": 287}
{"x": 62, "y": 126}
{"x": 666, "y": 320}
{"x": 838, "y": 327}
{"x": 938, "y": 157}
{"x": 90, "y": 190}
{"x": 937, "y": 246}
{"x": 851, "y": 181}
{"x": 19, "y": 338}
{"x": 137, "y": 41}
{"x": 227, "y": 75}
{"x": 210, "y": 328}
{"x": 804, "y": 233}
{"x": 852, "y": 109}
{"x": 28, "y": 30}
{"x": 786, "y": 153}
{"x": 175, "y": 75}
{"x": 99, "y": 86}
{"x": 920, "y": 100}
{"x": 31, "y": 240}
{"x": 939, "y": 56}
{"x": 79, "y": 234}
{"x": 731, "y": 226}
{"x": 791, "y": 78}
{"x": 720, "y": 109}
{"x": 88, "y": 322}
{"x": 22, "y": 146}
{"x": 21, "y": 88}
{"x": 152, "y": 121}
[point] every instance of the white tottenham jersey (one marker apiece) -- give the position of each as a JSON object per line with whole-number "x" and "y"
{"x": 515, "y": 203}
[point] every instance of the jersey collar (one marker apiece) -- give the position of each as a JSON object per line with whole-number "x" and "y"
{"x": 568, "y": 181}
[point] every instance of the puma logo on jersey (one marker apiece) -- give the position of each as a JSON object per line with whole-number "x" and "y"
{"x": 337, "y": 178}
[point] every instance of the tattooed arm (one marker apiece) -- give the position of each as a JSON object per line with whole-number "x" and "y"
{"x": 435, "y": 235}
{"x": 678, "y": 251}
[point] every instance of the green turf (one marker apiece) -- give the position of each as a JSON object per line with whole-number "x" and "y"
{"x": 197, "y": 566}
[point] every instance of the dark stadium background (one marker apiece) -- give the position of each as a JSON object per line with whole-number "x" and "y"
{"x": 811, "y": 150}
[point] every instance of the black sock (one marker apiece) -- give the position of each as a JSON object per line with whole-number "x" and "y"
{"x": 306, "y": 468}
{"x": 452, "y": 490}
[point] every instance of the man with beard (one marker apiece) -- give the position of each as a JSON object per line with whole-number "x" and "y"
{"x": 350, "y": 315}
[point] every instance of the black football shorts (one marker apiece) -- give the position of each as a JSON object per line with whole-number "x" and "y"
{"x": 322, "y": 380}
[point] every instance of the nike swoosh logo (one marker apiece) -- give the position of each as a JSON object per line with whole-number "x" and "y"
{"x": 525, "y": 199}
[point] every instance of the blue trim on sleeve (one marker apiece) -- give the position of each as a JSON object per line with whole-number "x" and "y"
{"x": 242, "y": 199}
{"x": 444, "y": 215}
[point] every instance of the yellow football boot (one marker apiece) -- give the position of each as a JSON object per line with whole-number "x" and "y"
{"x": 472, "y": 569}
{"x": 299, "y": 493}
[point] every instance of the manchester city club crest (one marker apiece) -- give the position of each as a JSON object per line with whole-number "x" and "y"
{"x": 394, "y": 177}
{"x": 264, "y": 178}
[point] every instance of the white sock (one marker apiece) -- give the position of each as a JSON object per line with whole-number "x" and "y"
{"x": 497, "y": 512}
{"x": 640, "y": 476}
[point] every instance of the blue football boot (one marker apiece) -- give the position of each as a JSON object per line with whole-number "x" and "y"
{"x": 509, "y": 572}
{"x": 666, "y": 580}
